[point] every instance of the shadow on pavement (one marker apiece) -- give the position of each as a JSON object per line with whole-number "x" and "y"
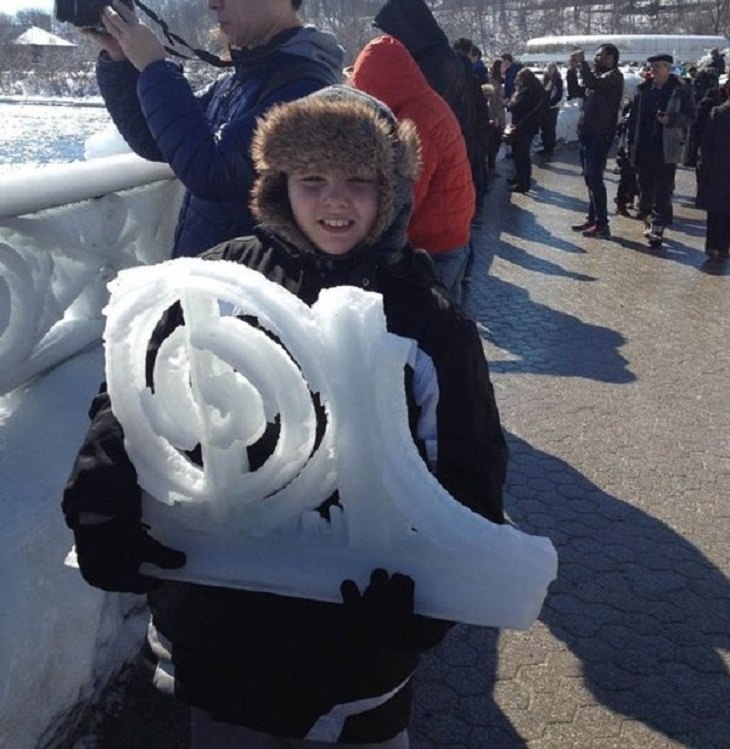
{"x": 716, "y": 267}
{"x": 643, "y": 609}
{"x": 546, "y": 341}
{"x": 561, "y": 200}
{"x": 672, "y": 249}
{"x": 524, "y": 223}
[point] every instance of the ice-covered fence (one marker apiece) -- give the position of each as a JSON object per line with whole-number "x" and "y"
{"x": 65, "y": 231}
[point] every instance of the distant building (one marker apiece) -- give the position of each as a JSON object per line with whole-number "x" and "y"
{"x": 37, "y": 45}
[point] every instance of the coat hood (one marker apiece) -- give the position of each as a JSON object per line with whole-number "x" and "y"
{"x": 305, "y": 41}
{"x": 337, "y": 128}
{"x": 412, "y": 22}
{"x": 318, "y": 46}
{"x": 374, "y": 72}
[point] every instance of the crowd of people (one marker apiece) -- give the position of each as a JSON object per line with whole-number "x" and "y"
{"x": 673, "y": 118}
{"x": 378, "y": 184}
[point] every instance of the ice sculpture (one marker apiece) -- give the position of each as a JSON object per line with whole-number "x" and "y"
{"x": 219, "y": 380}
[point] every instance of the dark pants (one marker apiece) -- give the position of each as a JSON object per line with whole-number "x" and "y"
{"x": 521, "y": 159}
{"x": 547, "y": 128}
{"x": 593, "y": 155}
{"x": 495, "y": 141}
{"x": 656, "y": 187}
{"x": 718, "y": 231}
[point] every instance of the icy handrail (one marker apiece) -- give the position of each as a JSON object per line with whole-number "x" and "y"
{"x": 55, "y": 262}
{"x": 219, "y": 381}
{"x": 32, "y": 190}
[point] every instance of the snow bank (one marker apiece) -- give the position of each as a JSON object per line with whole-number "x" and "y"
{"x": 61, "y": 639}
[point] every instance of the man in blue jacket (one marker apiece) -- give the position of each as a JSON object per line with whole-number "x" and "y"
{"x": 205, "y": 137}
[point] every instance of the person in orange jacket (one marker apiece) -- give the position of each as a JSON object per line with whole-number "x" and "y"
{"x": 444, "y": 191}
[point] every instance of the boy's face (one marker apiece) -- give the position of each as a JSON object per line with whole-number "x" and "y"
{"x": 336, "y": 212}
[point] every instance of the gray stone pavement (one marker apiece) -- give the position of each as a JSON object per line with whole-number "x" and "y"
{"x": 610, "y": 363}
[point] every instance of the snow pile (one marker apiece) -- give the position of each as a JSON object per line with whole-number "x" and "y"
{"x": 61, "y": 639}
{"x": 105, "y": 142}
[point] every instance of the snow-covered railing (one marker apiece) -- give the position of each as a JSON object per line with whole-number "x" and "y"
{"x": 65, "y": 231}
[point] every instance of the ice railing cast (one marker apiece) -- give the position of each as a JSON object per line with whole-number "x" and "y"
{"x": 218, "y": 384}
{"x": 55, "y": 263}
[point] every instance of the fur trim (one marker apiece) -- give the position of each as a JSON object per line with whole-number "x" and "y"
{"x": 336, "y": 129}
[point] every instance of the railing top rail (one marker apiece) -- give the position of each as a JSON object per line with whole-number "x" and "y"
{"x": 37, "y": 188}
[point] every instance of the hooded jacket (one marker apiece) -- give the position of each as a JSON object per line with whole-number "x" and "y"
{"x": 681, "y": 112}
{"x": 279, "y": 665}
{"x": 713, "y": 173}
{"x": 444, "y": 192}
{"x": 205, "y": 137}
{"x": 448, "y": 72}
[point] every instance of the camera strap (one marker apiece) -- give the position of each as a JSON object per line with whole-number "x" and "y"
{"x": 173, "y": 39}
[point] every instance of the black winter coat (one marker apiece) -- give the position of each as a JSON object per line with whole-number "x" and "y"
{"x": 276, "y": 664}
{"x": 713, "y": 173}
{"x": 528, "y": 107}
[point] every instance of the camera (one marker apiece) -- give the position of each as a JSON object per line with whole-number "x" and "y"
{"x": 83, "y": 13}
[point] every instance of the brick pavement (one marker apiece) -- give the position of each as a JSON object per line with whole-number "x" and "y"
{"x": 610, "y": 364}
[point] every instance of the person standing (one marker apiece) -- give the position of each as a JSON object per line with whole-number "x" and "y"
{"x": 604, "y": 87}
{"x": 717, "y": 60}
{"x": 510, "y": 69}
{"x": 450, "y": 75}
{"x": 527, "y": 106}
{"x": 278, "y": 671}
{"x": 443, "y": 194}
{"x": 552, "y": 82}
{"x": 663, "y": 110}
{"x": 575, "y": 89}
{"x": 205, "y": 137}
{"x": 713, "y": 181}
{"x": 495, "y": 104}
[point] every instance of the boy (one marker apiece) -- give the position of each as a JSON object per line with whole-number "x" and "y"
{"x": 333, "y": 199}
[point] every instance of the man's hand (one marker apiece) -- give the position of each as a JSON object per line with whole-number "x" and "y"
{"x": 129, "y": 38}
{"x": 662, "y": 118}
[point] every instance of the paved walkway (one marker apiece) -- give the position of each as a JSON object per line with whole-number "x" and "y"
{"x": 610, "y": 363}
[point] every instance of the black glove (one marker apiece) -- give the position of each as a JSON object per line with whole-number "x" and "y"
{"x": 109, "y": 555}
{"x": 383, "y": 615}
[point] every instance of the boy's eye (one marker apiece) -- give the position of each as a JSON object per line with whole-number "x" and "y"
{"x": 311, "y": 179}
{"x": 361, "y": 180}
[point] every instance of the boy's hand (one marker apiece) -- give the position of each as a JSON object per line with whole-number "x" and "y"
{"x": 110, "y": 553}
{"x": 383, "y": 613}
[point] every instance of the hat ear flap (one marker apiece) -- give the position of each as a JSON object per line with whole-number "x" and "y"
{"x": 408, "y": 157}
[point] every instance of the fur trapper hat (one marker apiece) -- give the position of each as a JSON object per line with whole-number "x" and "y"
{"x": 335, "y": 129}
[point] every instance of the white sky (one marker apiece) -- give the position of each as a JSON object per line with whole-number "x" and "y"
{"x": 11, "y": 7}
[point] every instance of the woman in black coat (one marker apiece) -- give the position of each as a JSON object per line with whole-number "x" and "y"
{"x": 713, "y": 181}
{"x": 527, "y": 106}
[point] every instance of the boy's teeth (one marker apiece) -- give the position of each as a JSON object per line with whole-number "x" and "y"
{"x": 336, "y": 223}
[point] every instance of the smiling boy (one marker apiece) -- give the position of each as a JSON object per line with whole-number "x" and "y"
{"x": 333, "y": 199}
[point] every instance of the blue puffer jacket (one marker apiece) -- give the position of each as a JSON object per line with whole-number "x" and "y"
{"x": 205, "y": 138}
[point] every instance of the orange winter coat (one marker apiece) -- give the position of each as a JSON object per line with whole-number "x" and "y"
{"x": 444, "y": 193}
